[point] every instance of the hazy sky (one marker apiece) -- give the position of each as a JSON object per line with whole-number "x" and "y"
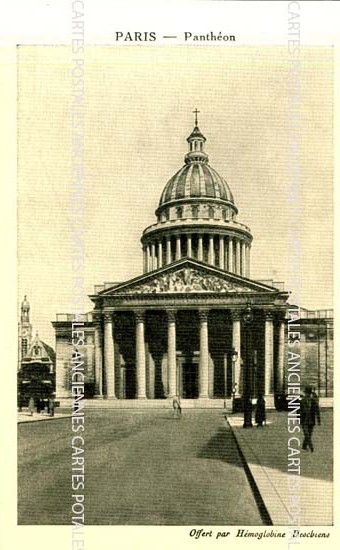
{"x": 139, "y": 103}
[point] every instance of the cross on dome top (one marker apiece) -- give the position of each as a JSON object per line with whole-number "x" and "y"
{"x": 196, "y": 113}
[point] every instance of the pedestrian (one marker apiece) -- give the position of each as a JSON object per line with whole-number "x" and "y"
{"x": 260, "y": 411}
{"x": 31, "y": 405}
{"x": 176, "y": 404}
{"x": 20, "y": 402}
{"x": 51, "y": 405}
{"x": 310, "y": 412}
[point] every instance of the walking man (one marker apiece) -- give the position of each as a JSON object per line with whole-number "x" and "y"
{"x": 310, "y": 412}
{"x": 177, "y": 407}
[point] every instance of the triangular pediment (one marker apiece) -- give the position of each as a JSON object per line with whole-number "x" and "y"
{"x": 188, "y": 276}
{"x": 37, "y": 351}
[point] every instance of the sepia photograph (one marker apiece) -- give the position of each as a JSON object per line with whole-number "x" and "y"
{"x": 175, "y": 287}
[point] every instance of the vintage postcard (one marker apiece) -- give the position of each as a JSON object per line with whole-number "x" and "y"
{"x": 173, "y": 326}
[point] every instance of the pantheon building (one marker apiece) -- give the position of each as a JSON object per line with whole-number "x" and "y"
{"x": 194, "y": 324}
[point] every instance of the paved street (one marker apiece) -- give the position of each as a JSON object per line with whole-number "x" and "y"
{"x": 142, "y": 468}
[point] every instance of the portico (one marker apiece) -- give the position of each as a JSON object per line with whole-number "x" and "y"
{"x": 188, "y": 342}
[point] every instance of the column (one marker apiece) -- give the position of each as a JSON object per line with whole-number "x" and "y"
{"x": 248, "y": 260}
{"x": 211, "y": 376}
{"x": 237, "y": 258}
{"x": 119, "y": 370}
{"x": 221, "y": 258}
{"x": 204, "y": 356}
{"x": 200, "y": 248}
{"x": 122, "y": 380}
{"x": 109, "y": 358}
{"x": 211, "y": 253}
{"x": 160, "y": 253}
{"x": 189, "y": 247}
{"x": 243, "y": 252}
{"x": 172, "y": 366}
{"x": 226, "y": 259}
{"x": 140, "y": 356}
{"x": 268, "y": 354}
{"x": 148, "y": 257}
{"x": 168, "y": 250}
{"x": 150, "y": 371}
{"x": 99, "y": 360}
{"x": 144, "y": 260}
{"x": 155, "y": 266}
{"x": 230, "y": 256}
{"x": 237, "y": 348}
{"x": 178, "y": 247}
{"x": 281, "y": 356}
{"x": 153, "y": 257}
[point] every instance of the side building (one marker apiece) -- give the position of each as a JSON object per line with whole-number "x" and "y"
{"x": 36, "y": 362}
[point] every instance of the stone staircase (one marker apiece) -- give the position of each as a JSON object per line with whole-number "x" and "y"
{"x": 165, "y": 404}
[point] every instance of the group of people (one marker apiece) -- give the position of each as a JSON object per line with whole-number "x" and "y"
{"x": 309, "y": 414}
{"x": 41, "y": 405}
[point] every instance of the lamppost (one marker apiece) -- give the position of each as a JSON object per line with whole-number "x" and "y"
{"x": 234, "y": 357}
{"x": 247, "y": 404}
{"x": 225, "y": 381}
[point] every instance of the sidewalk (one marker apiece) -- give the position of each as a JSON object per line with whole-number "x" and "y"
{"x": 265, "y": 450}
{"x": 25, "y": 416}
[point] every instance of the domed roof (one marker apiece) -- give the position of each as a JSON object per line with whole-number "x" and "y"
{"x": 196, "y": 179}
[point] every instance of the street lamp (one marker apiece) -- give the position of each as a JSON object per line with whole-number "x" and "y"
{"x": 225, "y": 381}
{"x": 247, "y": 404}
{"x": 234, "y": 357}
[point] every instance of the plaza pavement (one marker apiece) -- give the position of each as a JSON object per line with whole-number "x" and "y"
{"x": 265, "y": 452}
{"x": 142, "y": 468}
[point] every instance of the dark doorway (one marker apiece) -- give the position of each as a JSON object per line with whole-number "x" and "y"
{"x": 130, "y": 381}
{"x": 190, "y": 380}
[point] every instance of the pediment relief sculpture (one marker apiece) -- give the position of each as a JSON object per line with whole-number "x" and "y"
{"x": 185, "y": 280}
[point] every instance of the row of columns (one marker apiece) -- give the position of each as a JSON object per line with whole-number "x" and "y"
{"x": 109, "y": 355}
{"x": 234, "y": 253}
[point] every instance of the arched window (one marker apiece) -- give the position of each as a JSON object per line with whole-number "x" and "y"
{"x": 211, "y": 211}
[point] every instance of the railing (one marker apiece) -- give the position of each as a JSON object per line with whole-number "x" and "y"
{"x": 69, "y": 317}
{"x": 316, "y": 314}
